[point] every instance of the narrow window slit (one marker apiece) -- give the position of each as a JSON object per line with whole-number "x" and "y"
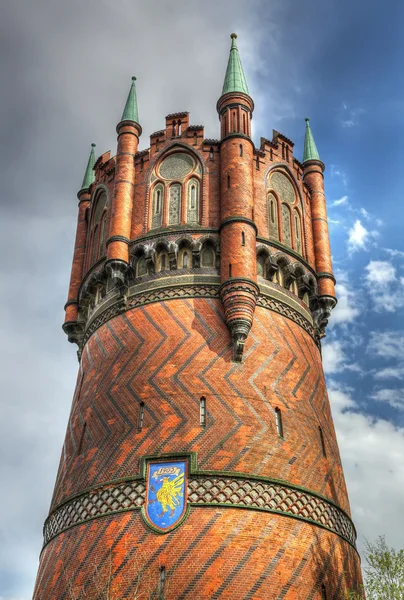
{"x": 242, "y": 238}
{"x": 279, "y": 425}
{"x": 228, "y": 181}
{"x": 211, "y": 153}
{"x": 83, "y": 433}
{"x": 141, "y": 417}
{"x": 230, "y": 275}
{"x": 202, "y": 411}
{"x": 162, "y": 582}
{"x": 322, "y": 440}
{"x": 241, "y": 149}
{"x": 323, "y": 592}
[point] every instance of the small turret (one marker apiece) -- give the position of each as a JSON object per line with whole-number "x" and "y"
{"x": 89, "y": 175}
{"x": 310, "y": 148}
{"x": 313, "y": 169}
{"x": 234, "y": 80}
{"x": 235, "y": 106}
{"x": 238, "y": 231}
{"x": 72, "y": 327}
{"x": 131, "y": 112}
{"x": 128, "y": 130}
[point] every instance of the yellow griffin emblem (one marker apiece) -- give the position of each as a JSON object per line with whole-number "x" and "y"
{"x": 168, "y": 494}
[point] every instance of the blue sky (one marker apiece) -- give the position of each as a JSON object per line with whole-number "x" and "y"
{"x": 66, "y": 72}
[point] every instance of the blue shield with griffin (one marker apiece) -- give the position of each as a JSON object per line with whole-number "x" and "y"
{"x": 166, "y": 493}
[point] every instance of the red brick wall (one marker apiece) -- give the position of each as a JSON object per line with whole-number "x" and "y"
{"x": 168, "y": 355}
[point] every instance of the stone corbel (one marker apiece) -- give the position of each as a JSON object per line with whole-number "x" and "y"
{"x": 289, "y": 275}
{"x": 322, "y": 313}
{"x": 74, "y": 331}
{"x": 117, "y": 272}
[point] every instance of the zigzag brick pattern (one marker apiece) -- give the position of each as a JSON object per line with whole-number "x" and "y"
{"x": 211, "y": 556}
{"x": 168, "y": 354}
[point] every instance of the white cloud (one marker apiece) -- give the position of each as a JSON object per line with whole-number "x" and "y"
{"x": 350, "y": 115}
{"x": 341, "y": 202}
{"x": 372, "y": 452}
{"x": 385, "y": 290}
{"x": 394, "y": 253}
{"x": 380, "y": 272}
{"x": 394, "y": 397}
{"x": 390, "y": 373}
{"x": 347, "y": 307}
{"x": 338, "y": 173}
{"x": 334, "y": 357}
{"x": 358, "y": 237}
{"x": 386, "y": 344}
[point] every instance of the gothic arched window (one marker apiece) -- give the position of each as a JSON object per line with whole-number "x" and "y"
{"x": 98, "y": 227}
{"x": 286, "y": 229}
{"x": 174, "y": 207}
{"x": 298, "y": 232}
{"x": 273, "y": 216}
{"x": 208, "y": 257}
{"x": 157, "y": 206}
{"x": 193, "y": 201}
{"x": 141, "y": 267}
{"x": 261, "y": 265}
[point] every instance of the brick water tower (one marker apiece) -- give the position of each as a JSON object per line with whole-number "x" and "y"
{"x": 200, "y": 458}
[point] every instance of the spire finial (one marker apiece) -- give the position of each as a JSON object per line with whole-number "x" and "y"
{"x": 130, "y": 112}
{"x": 234, "y": 80}
{"x": 89, "y": 175}
{"x": 310, "y": 148}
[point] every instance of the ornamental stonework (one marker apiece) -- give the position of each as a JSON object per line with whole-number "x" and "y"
{"x": 176, "y": 166}
{"x": 283, "y": 187}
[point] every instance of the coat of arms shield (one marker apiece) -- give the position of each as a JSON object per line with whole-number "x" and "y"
{"x": 166, "y": 493}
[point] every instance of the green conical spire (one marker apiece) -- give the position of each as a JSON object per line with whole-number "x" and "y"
{"x": 89, "y": 175}
{"x": 310, "y": 148}
{"x": 130, "y": 112}
{"x": 234, "y": 80}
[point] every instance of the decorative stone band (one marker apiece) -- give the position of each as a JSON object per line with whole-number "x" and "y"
{"x": 195, "y": 290}
{"x": 117, "y": 238}
{"x": 207, "y": 490}
{"x": 230, "y": 220}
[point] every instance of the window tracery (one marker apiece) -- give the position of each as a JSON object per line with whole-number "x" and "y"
{"x": 180, "y": 184}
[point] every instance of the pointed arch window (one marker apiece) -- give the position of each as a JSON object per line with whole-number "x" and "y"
{"x": 286, "y": 229}
{"x": 101, "y": 245}
{"x": 141, "y": 267}
{"x": 261, "y": 265}
{"x": 273, "y": 216}
{"x": 298, "y": 232}
{"x": 98, "y": 227}
{"x": 208, "y": 257}
{"x": 157, "y": 206}
{"x": 193, "y": 201}
{"x": 174, "y": 211}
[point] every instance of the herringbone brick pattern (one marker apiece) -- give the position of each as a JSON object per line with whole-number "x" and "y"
{"x": 167, "y": 355}
{"x": 214, "y": 554}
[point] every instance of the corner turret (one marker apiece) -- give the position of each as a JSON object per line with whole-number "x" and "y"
{"x": 128, "y": 130}
{"x": 313, "y": 177}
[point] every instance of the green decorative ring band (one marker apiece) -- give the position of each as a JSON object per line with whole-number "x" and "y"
{"x": 206, "y": 490}
{"x": 117, "y": 238}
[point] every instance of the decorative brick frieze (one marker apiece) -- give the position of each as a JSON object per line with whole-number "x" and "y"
{"x": 206, "y": 490}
